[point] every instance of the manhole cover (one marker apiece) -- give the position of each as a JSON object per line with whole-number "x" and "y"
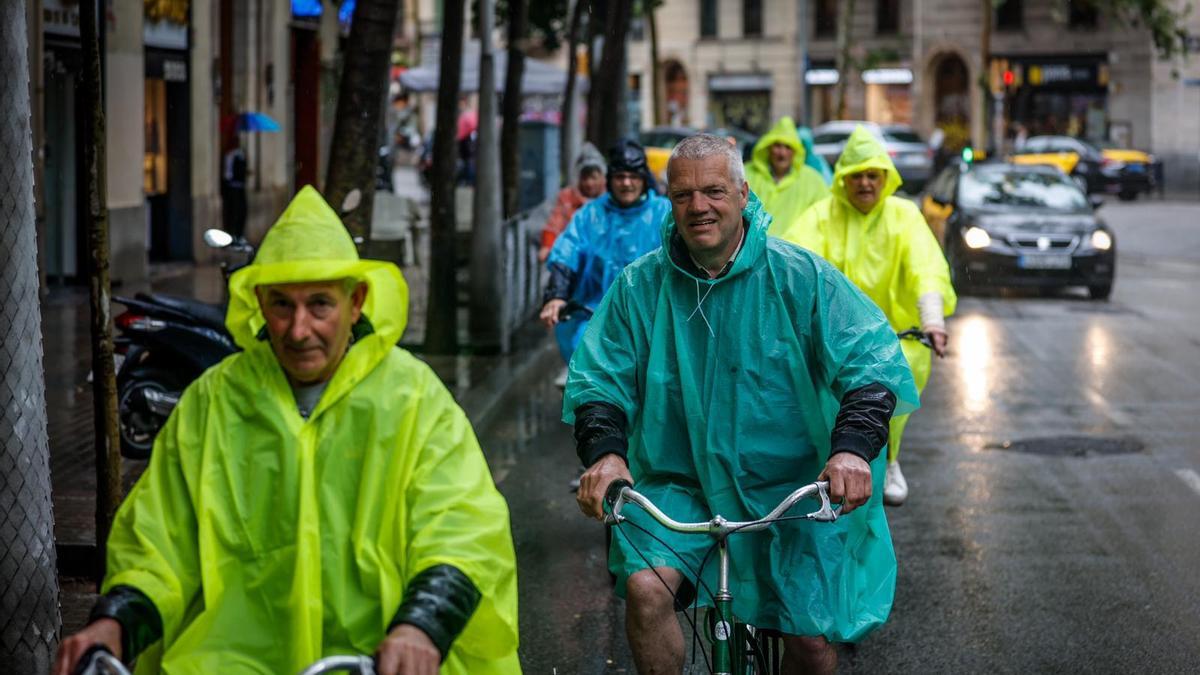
{"x": 1071, "y": 446}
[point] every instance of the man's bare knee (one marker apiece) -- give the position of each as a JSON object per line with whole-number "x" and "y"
{"x": 808, "y": 655}
{"x": 648, "y": 598}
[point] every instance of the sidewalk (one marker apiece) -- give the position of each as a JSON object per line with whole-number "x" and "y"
{"x": 477, "y": 382}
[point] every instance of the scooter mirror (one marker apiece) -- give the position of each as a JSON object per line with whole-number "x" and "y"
{"x": 217, "y": 238}
{"x": 352, "y": 200}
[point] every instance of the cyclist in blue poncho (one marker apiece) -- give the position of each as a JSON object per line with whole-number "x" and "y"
{"x": 720, "y": 373}
{"x": 603, "y": 237}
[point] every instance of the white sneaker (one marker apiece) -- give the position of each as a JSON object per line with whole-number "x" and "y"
{"x": 895, "y": 488}
{"x": 561, "y": 380}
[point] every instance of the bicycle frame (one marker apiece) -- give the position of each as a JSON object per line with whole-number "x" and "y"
{"x": 728, "y": 635}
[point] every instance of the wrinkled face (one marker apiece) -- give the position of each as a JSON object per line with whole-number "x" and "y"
{"x": 865, "y": 188}
{"x": 309, "y": 325}
{"x": 707, "y": 204}
{"x": 627, "y": 187}
{"x": 591, "y": 183}
{"x": 781, "y": 157}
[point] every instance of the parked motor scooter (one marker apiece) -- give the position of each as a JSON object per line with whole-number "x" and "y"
{"x": 166, "y": 342}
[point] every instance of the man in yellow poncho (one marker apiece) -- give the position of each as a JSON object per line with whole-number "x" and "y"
{"x": 318, "y": 493}
{"x": 778, "y": 175}
{"x": 884, "y": 246}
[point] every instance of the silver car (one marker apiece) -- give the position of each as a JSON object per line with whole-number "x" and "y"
{"x": 911, "y": 154}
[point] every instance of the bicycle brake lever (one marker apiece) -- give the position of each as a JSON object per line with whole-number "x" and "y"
{"x": 614, "y": 498}
{"x": 825, "y": 514}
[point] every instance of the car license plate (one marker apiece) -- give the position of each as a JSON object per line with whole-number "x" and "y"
{"x": 1044, "y": 262}
{"x": 1136, "y": 168}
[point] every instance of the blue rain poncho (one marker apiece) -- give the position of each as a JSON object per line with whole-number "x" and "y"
{"x": 601, "y": 239}
{"x": 811, "y": 158}
{"x": 890, "y": 252}
{"x": 266, "y": 540}
{"x": 731, "y": 388}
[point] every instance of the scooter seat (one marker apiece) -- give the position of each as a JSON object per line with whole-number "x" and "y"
{"x": 206, "y": 314}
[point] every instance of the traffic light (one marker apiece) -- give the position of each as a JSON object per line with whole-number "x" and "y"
{"x": 968, "y": 154}
{"x": 1009, "y": 78}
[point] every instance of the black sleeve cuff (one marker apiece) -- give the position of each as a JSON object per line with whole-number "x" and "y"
{"x": 862, "y": 422}
{"x": 439, "y": 601}
{"x": 560, "y": 283}
{"x": 141, "y": 624}
{"x": 599, "y": 431}
{"x": 854, "y": 444}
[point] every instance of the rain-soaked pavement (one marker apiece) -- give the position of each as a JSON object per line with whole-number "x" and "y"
{"x": 1054, "y": 475}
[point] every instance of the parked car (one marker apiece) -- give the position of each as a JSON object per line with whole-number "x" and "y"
{"x": 1019, "y": 225}
{"x": 1124, "y": 173}
{"x": 911, "y": 154}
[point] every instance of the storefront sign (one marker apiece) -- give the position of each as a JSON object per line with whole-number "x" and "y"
{"x": 740, "y": 82}
{"x": 1044, "y": 74}
{"x": 888, "y": 76}
{"x": 821, "y": 76}
{"x": 61, "y": 17}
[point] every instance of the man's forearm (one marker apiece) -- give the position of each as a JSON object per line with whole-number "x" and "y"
{"x": 439, "y": 601}
{"x": 862, "y": 422}
{"x": 141, "y": 624}
{"x": 599, "y": 431}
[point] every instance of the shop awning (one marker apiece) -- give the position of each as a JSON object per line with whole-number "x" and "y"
{"x": 734, "y": 82}
{"x": 539, "y": 79}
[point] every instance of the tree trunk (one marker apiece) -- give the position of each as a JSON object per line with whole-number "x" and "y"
{"x": 985, "y": 59}
{"x": 487, "y": 297}
{"x": 354, "y": 152}
{"x": 104, "y": 377}
{"x": 605, "y": 105}
{"x": 568, "y": 139}
{"x": 510, "y": 132}
{"x": 441, "y": 312}
{"x": 29, "y": 616}
{"x": 845, "y": 21}
{"x": 656, "y": 84}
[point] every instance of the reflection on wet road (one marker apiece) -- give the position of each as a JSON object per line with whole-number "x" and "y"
{"x": 1055, "y": 481}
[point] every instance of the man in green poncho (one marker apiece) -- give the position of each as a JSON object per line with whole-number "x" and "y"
{"x": 780, "y": 178}
{"x": 318, "y": 493}
{"x": 721, "y": 372}
{"x": 884, "y": 246}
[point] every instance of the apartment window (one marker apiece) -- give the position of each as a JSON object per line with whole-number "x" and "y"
{"x": 752, "y": 18}
{"x": 1082, "y": 14}
{"x": 1010, "y": 15}
{"x": 887, "y": 17}
{"x": 826, "y": 19}
{"x": 708, "y": 18}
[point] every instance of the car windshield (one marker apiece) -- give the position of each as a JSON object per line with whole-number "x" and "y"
{"x": 830, "y": 137}
{"x": 901, "y": 136}
{"x": 985, "y": 187}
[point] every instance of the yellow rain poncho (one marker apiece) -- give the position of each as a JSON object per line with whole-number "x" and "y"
{"x": 796, "y": 191}
{"x": 889, "y": 253}
{"x": 267, "y": 541}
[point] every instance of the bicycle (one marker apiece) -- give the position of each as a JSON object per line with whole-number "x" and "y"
{"x": 918, "y": 335}
{"x": 754, "y": 651}
{"x": 98, "y": 660}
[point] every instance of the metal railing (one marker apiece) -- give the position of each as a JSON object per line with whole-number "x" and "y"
{"x": 522, "y": 274}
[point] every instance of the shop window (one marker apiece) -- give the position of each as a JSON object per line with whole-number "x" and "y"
{"x": 826, "y": 20}
{"x": 708, "y": 18}
{"x": 887, "y": 17}
{"x": 1082, "y": 14}
{"x": 1010, "y": 15}
{"x": 752, "y": 15}
{"x": 154, "y": 159}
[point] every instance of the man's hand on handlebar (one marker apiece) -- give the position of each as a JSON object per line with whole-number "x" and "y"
{"x": 550, "y": 310}
{"x": 106, "y": 632}
{"x": 940, "y": 340}
{"x": 849, "y": 479}
{"x": 407, "y": 650}
{"x": 594, "y": 482}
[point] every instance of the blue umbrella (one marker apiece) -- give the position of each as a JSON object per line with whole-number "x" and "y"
{"x": 253, "y": 121}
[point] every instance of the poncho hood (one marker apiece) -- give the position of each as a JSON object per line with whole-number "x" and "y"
{"x": 309, "y": 243}
{"x": 755, "y": 219}
{"x": 784, "y": 132}
{"x": 863, "y": 151}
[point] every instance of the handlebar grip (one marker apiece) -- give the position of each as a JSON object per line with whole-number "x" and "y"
{"x": 614, "y": 490}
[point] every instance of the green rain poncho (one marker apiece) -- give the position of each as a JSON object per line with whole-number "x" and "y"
{"x": 267, "y": 541}
{"x": 890, "y": 253}
{"x": 731, "y": 388}
{"x": 796, "y": 191}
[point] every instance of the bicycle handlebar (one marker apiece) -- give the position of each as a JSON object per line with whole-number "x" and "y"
{"x": 918, "y": 335}
{"x": 97, "y": 660}
{"x": 621, "y": 492}
{"x": 364, "y": 665}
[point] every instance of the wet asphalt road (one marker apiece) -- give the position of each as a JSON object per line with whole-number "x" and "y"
{"x": 1055, "y": 488}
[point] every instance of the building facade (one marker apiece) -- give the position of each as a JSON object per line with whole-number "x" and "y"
{"x": 1053, "y": 67}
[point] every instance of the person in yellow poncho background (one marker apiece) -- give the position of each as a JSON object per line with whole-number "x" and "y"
{"x": 318, "y": 493}
{"x": 882, "y": 243}
{"x": 779, "y": 177}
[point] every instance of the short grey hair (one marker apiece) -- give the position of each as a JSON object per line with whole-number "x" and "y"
{"x": 703, "y": 146}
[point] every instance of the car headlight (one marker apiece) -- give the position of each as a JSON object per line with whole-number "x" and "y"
{"x": 977, "y": 237}
{"x": 1101, "y": 240}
